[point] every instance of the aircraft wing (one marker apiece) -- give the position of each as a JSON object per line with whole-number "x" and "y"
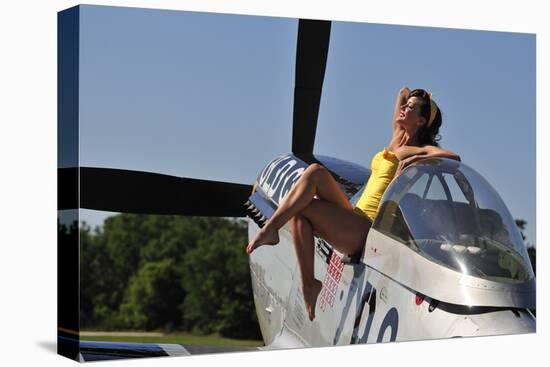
{"x": 101, "y": 351}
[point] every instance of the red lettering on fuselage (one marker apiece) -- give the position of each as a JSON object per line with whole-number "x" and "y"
{"x": 331, "y": 281}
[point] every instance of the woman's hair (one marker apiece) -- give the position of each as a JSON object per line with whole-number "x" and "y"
{"x": 427, "y": 135}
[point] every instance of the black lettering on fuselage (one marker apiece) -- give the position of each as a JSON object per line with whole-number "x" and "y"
{"x": 391, "y": 320}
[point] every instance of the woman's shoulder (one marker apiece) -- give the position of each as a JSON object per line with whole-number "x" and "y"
{"x": 382, "y": 156}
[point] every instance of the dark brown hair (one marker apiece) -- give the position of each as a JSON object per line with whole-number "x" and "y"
{"x": 427, "y": 135}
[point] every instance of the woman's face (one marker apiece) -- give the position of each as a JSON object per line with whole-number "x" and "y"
{"x": 409, "y": 114}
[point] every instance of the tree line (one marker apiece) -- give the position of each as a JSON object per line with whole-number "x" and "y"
{"x": 169, "y": 273}
{"x": 531, "y": 249}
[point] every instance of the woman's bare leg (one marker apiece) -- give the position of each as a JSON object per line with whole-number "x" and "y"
{"x": 315, "y": 180}
{"x": 344, "y": 229}
{"x": 302, "y": 238}
{"x": 341, "y": 227}
{"x": 332, "y": 217}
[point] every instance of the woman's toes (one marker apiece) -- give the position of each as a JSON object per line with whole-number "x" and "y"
{"x": 266, "y": 236}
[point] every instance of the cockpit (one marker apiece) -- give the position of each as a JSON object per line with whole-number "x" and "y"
{"x": 448, "y": 213}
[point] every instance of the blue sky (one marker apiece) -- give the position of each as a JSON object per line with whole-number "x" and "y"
{"x": 210, "y": 95}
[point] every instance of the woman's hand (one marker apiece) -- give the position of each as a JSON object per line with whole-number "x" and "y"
{"x": 404, "y": 92}
{"x": 407, "y": 161}
{"x": 406, "y": 151}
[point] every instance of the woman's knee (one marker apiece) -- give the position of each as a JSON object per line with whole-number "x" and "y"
{"x": 314, "y": 170}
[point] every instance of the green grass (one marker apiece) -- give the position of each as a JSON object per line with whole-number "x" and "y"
{"x": 183, "y": 338}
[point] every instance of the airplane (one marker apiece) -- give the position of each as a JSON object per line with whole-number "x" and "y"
{"x": 443, "y": 258}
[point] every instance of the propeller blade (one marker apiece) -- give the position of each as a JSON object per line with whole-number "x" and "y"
{"x": 125, "y": 191}
{"x": 311, "y": 61}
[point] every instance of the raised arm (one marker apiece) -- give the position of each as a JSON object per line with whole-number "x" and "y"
{"x": 402, "y": 98}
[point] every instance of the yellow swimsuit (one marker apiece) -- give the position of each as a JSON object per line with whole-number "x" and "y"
{"x": 383, "y": 167}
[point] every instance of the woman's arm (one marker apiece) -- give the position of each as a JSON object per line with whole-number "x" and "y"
{"x": 410, "y": 154}
{"x": 407, "y": 151}
{"x": 402, "y": 98}
{"x": 438, "y": 152}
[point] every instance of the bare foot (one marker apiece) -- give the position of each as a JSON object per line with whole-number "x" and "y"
{"x": 310, "y": 297}
{"x": 265, "y": 236}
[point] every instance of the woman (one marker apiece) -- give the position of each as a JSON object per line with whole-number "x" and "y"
{"x": 316, "y": 202}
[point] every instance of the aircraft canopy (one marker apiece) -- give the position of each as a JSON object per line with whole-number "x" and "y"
{"x": 451, "y": 215}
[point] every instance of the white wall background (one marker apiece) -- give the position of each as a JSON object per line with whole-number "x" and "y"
{"x": 28, "y": 181}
